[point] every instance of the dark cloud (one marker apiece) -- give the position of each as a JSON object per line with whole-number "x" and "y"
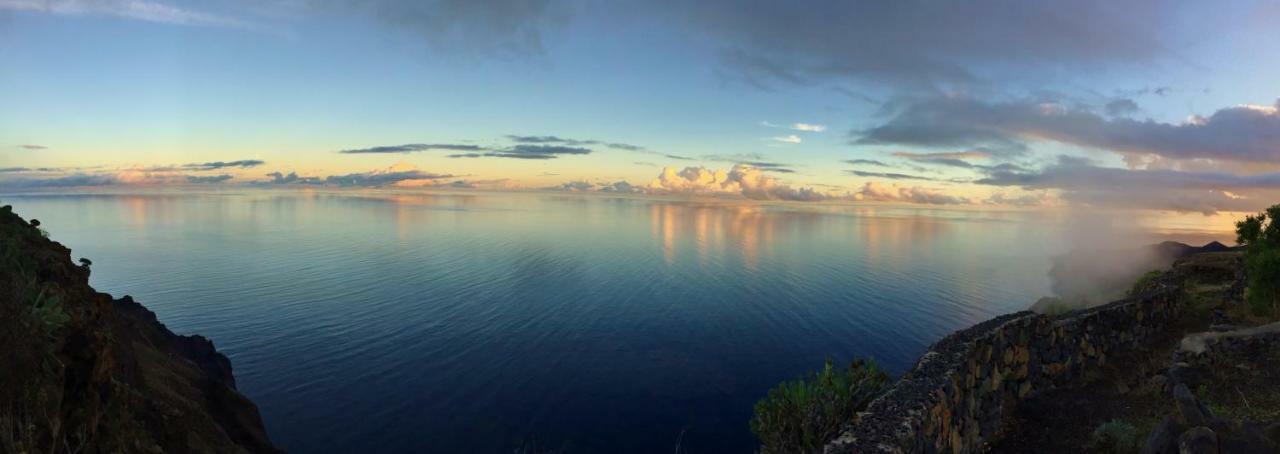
{"x": 1243, "y": 133}
{"x": 1206, "y": 192}
{"x": 528, "y": 152}
{"x": 891, "y": 176}
{"x": 500, "y": 28}
{"x": 413, "y": 147}
{"x": 373, "y": 179}
{"x": 622, "y": 187}
{"x": 292, "y": 178}
{"x": 769, "y": 166}
{"x": 29, "y": 169}
{"x": 33, "y": 147}
{"x": 196, "y": 179}
{"x": 574, "y": 186}
{"x": 549, "y": 139}
{"x": 909, "y": 43}
{"x": 958, "y": 160}
{"x": 1121, "y": 107}
{"x": 624, "y": 146}
{"x": 75, "y": 180}
{"x": 869, "y": 162}
{"x": 243, "y": 164}
{"x": 923, "y": 43}
{"x": 576, "y": 142}
{"x": 752, "y": 160}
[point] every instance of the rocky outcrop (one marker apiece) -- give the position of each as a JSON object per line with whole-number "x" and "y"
{"x": 961, "y": 392}
{"x": 1212, "y": 361}
{"x": 83, "y": 372}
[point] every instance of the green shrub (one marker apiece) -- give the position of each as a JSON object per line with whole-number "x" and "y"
{"x": 1117, "y": 435}
{"x": 801, "y": 416}
{"x": 1260, "y": 235}
{"x": 1142, "y": 282}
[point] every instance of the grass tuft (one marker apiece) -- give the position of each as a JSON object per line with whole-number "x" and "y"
{"x": 803, "y": 415}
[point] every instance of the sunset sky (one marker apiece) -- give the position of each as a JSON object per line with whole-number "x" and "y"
{"x": 1134, "y": 104}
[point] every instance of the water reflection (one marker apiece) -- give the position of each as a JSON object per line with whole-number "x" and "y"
{"x": 466, "y": 322}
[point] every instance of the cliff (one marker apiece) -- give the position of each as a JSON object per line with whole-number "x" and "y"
{"x": 1112, "y": 378}
{"x": 83, "y": 372}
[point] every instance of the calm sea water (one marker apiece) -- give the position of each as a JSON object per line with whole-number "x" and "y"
{"x": 456, "y": 322}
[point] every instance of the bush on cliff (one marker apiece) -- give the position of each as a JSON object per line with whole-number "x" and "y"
{"x": 1116, "y": 435}
{"x": 1260, "y": 235}
{"x": 801, "y": 416}
{"x": 1141, "y": 284}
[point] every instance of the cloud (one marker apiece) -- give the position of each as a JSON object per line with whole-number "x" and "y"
{"x": 498, "y": 183}
{"x": 579, "y": 143}
{"x": 1027, "y": 200}
{"x": 196, "y": 179}
{"x": 769, "y": 166}
{"x": 971, "y": 154}
{"x": 958, "y": 159}
{"x": 129, "y": 9}
{"x": 75, "y": 180}
{"x": 891, "y": 176}
{"x": 791, "y": 138}
{"x": 742, "y": 179}
{"x": 880, "y": 192}
{"x": 549, "y": 139}
{"x": 807, "y": 127}
{"x": 497, "y": 28}
{"x": 413, "y": 147}
{"x": 32, "y": 147}
{"x": 574, "y": 186}
{"x": 292, "y": 178}
{"x": 397, "y": 175}
{"x": 1121, "y": 107}
{"x": 28, "y": 169}
{"x": 751, "y": 160}
{"x": 528, "y": 152}
{"x": 215, "y": 165}
{"x": 929, "y": 44}
{"x": 869, "y": 162}
{"x": 1248, "y": 133}
{"x": 622, "y": 187}
{"x": 1082, "y": 182}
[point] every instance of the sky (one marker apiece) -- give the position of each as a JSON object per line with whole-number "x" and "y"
{"x": 1164, "y": 106}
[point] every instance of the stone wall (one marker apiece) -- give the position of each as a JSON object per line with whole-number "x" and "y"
{"x": 1214, "y": 349}
{"x": 960, "y": 393}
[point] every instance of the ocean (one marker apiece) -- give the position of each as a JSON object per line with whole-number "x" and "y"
{"x": 389, "y": 321}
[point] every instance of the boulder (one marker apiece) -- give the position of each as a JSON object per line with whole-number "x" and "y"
{"x": 1193, "y": 414}
{"x": 1163, "y": 439}
{"x": 1198, "y": 440}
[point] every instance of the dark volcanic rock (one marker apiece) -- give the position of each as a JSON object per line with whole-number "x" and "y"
{"x": 89, "y": 373}
{"x": 1163, "y": 439}
{"x": 1193, "y": 414}
{"x": 1198, "y": 440}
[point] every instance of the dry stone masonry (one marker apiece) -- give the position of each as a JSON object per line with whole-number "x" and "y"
{"x": 958, "y": 395}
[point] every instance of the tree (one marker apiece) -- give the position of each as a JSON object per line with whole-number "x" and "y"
{"x": 1260, "y": 235}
